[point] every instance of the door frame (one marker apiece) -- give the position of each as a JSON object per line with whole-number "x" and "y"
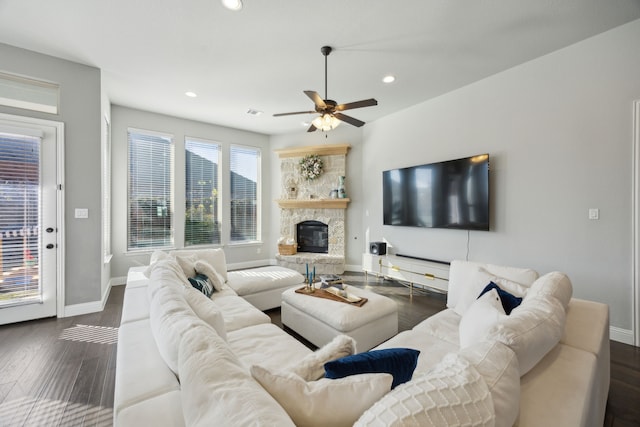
{"x": 60, "y": 241}
{"x": 635, "y": 251}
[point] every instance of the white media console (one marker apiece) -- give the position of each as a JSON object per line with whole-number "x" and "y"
{"x": 416, "y": 272}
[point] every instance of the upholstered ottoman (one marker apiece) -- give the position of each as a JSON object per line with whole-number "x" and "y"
{"x": 263, "y": 286}
{"x": 319, "y": 320}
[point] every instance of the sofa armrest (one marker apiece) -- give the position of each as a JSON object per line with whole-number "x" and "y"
{"x": 587, "y": 328}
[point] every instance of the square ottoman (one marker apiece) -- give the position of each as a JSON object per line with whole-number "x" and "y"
{"x": 319, "y": 320}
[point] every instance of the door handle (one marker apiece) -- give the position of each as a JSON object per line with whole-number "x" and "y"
{"x": 50, "y": 246}
{"x": 49, "y": 230}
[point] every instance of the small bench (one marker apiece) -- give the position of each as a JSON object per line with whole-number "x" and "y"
{"x": 319, "y": 320}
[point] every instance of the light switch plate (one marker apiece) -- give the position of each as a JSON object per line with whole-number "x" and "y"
{"x": 82, "y": 213}
{"x": 594, "y": 213}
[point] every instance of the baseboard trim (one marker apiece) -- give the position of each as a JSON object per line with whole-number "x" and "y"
{"x": 94, "y": 306}
{"x": 624, "y": 336}
{"x": 118, "y": 281}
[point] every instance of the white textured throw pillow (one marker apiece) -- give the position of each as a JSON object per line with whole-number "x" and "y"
{"x": 476, "y": 322}
{"x": 215, "y": 278}
{"x": 498, "y": 365}
{"x": 324, "y": 402}
{"x": 453, "y": 393}
{"x": 188, "y": 264}
{"x": 311, "y": 367}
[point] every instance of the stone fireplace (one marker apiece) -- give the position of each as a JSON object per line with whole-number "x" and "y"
{"x": 308, "y": 215}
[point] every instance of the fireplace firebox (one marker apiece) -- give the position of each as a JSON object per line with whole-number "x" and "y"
{"x": 313, "y": 236}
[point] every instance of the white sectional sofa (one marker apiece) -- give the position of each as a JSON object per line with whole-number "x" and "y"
{"x": 184, "y": 359}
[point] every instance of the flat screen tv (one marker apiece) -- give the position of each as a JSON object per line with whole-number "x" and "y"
{"x": 450, "y": 194}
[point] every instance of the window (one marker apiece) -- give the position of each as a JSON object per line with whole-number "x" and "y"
{"x": 244, "y": 172}
{"x": 202, "y": 204}
{"x": 150, "y": 210}
{"x": 30, "y": 94}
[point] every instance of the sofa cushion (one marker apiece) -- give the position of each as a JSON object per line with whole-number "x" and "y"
{"x": 214, "y": 257}
{"x": 163, "y": 273}
{"x": 171, "y": 317}
{"x": 452, "y": 393}
{"x": 311, "y": 367}
{"x": 238, "y": 313}
{"x": 324, "y": 402}
{"x": 138, "y": 358}
{"x": 483, "y": 314}
{"x": 399, "y": 362}
{"x": 162, "y": 410}
{"x": 461, "y": 275}
{"x": 554, "y": 284}
{"x": 532, "y": 329}
{"x": 508, "y": 300}
{"x": 217, "y": 390}
{"x": 498, "y": 366}
{"x": 206, "y": 310}
{"x": 254, "y": 280}
{"x": 267, "y": 345}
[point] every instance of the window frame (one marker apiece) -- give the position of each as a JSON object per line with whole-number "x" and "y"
{"x": 171, "y": 212}
{"x": 258, "y": 199}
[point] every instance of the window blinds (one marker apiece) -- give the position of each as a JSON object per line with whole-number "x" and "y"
{"x": 150, "y": 210}
{"x": 19, "y": 218}
{"x": 202, "y": 217}
{"x": 244, "y": 172}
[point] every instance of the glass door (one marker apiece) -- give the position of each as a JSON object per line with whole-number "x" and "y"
{"x": 28, "y": 221}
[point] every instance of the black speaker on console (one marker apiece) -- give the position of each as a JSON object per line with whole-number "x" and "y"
{"x": 378, "y": 248}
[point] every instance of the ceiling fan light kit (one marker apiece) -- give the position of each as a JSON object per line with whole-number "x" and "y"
{"x": 330, "y": 111}
{"x": 232, "y": 4}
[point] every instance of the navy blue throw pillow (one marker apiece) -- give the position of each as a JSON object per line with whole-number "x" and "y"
{"x": 399, "y": 362}
{"x": 201, "y": 283}
{"x": 509, "y": 301}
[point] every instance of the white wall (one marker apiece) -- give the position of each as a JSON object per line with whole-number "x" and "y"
{"x": 123, "y": 118}
{"x": 344, "y": 134}
{"x": 559, "y": 133}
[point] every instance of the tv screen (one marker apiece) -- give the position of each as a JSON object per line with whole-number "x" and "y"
{"x": 450, "y": 194}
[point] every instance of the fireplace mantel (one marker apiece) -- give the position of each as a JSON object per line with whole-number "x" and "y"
{"x": 313, "y": 203}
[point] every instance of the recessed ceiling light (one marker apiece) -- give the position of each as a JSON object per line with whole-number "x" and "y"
{"x": 232, "y": 4}
{"x": 389, "y": 79}
{"x": 253, "y": 112}
{"x": 191, "y": 94}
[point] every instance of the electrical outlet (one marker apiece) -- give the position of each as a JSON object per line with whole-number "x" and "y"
{"x": 594, "y": 213}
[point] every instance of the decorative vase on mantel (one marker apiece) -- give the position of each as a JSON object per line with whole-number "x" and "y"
{"x": 342, "y": 193}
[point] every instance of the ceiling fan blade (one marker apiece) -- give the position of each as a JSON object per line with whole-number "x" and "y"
{"x": 297, "y": 112}
{"x": 316, "y": 98}
{"x": 349, "y": 119}
{"x": 358, "y": 104}
{"x": 312, "y": 128}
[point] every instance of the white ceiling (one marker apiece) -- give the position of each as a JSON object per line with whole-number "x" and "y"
{"x": 152, "y": 51}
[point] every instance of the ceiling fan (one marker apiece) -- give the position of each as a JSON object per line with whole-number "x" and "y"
{"x": 330, "y": 110}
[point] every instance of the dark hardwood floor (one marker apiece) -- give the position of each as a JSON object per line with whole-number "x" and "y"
{"x": 61, "y": 372}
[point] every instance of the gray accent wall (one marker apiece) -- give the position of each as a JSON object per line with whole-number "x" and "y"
{"x": 124, "y": 118}
{"x": 559, "y": 131}
{"x": 80, "y": 111}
